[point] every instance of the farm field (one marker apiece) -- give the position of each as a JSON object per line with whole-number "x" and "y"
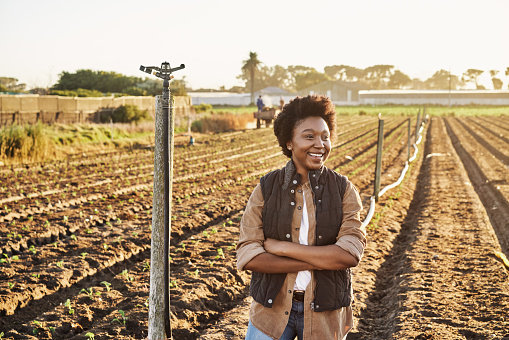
{"x": 75, "y": 235}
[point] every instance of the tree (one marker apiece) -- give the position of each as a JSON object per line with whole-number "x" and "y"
{"x": 177, "y": 87}
{"x": 153, "y": 87}
{"x": 308, "y": 79}
{"x": 507, "y": 73}
{"x": 11, "y": 84}
{"x": 377, "y": 76}
{"x": 294, "y": 71}
{"x": 472, "y": 76}
{"x": 398, "y": 80}
{"x": 251, "y": 65}
{"x": 418, "y": 84}
{"x": 106, "y": 82}
{"x": 344, "y": 73}
{"x": 272, "y": 76}
{"x": 497, "y": 83}
{"x": 440, "y": 81}
{"x": 334, "y": 71}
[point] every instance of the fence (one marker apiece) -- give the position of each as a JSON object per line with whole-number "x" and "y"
{"x": 29, "y": 109}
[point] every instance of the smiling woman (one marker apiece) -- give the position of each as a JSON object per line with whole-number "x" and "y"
{"x": 301, "y": 233}
{"x": 310, "y": 145}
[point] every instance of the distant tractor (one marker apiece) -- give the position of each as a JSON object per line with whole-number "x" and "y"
{"x": 267, "y": 115}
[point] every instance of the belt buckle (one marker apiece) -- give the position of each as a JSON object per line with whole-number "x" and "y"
{"x": 298, "y": 295}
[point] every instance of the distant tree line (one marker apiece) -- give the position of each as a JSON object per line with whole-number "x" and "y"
{"x": 297, "y": 77}
{"x": 256, "y": 76}
{"x": 88, "y": 83}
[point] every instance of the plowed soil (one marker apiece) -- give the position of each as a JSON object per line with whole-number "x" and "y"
{"x": 75, "y": 236}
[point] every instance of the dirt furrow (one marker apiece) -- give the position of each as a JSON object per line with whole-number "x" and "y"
{"x": 494, "y": 201}
{"x": 488, "y": 143}
{"x": 440, "y": 280}
{"x": 493, "y": 130}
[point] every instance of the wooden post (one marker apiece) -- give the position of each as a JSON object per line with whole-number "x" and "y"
{"x": 409, "y": 140}
{"x": 417, "y": 125}
{"x": 379, "y": 148}
{"x": 156, "y": 298}
{"x": 111, "y": 128}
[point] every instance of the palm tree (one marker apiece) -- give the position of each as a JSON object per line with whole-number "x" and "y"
{"x": 250, "y": 65}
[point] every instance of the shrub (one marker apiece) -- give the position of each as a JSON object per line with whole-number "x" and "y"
{"x": 77, "y": 93}
{"x": 135, "y": 91}
{"x": 88, "y": 93}
{"x": 126, "y": 114}
{"x": 202, "y": 107}
{"x": 222, "y": 122}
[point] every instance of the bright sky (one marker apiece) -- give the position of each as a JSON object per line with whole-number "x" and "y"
{"x": 40, "y": 39}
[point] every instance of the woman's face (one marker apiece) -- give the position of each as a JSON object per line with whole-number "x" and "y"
{"x": 310, "y": 145}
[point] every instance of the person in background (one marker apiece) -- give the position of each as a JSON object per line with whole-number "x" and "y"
{"x": 301, "y": 233}
{"x": 281, "y": 103}
{"x": 259, "y": 103}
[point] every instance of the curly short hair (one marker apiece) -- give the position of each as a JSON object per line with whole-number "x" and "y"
{"x": 299, "y": 109}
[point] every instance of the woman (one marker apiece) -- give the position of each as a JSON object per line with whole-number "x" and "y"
{"x": 301, "y": 232}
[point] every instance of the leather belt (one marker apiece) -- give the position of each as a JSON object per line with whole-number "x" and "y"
{"x": 298, "y": 295}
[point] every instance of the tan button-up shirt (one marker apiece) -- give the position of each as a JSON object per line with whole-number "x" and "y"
{"x": 351, "y": 237}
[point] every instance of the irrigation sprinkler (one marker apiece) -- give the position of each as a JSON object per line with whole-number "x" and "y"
{"x": 159, "y": 324}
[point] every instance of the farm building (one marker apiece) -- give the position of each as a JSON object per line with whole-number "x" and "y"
{"x": 340, "y": 92}
{"x": 434, "y": 97}
{"x": 270, "y": 95}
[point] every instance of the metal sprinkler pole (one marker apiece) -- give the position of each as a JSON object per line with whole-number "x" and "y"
{"x": 156, "y": 320}
{"x": 168, "y": 178}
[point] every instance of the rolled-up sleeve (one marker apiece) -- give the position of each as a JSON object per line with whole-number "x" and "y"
{"x": 251, "y": 230}
{"x": 352, "y": 236}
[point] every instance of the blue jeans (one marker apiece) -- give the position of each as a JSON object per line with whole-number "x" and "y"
{"x": 295, "y": 326}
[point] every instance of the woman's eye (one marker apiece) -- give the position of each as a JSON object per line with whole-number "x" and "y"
{"x": 325, "y": 137}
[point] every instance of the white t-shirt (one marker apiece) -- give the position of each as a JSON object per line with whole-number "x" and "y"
{"x": 303, "y": 277}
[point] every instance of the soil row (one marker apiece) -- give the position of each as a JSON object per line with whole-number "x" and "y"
{"x": 112, "y": 237}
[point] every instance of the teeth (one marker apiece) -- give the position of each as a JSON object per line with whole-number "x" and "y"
{"x": 316, "y": 154}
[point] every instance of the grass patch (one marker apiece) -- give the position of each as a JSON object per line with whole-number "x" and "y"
{"x": 39, "y": 143}
{"x": 395, "y": 110}
{"x": 458, "y": 111}
{"x": 29, "y": 143}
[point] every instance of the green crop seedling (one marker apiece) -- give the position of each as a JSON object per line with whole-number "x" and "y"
{"x": 90, "y": 292}
{"x": 122, "y": 319}
{"x": 107, "y": 285}
{"x": 67, "y": 304}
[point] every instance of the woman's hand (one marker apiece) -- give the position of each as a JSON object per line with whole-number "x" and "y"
{"x": 273, "y": 246}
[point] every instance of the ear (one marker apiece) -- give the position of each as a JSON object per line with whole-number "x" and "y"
{"x": 289, "y": 146}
